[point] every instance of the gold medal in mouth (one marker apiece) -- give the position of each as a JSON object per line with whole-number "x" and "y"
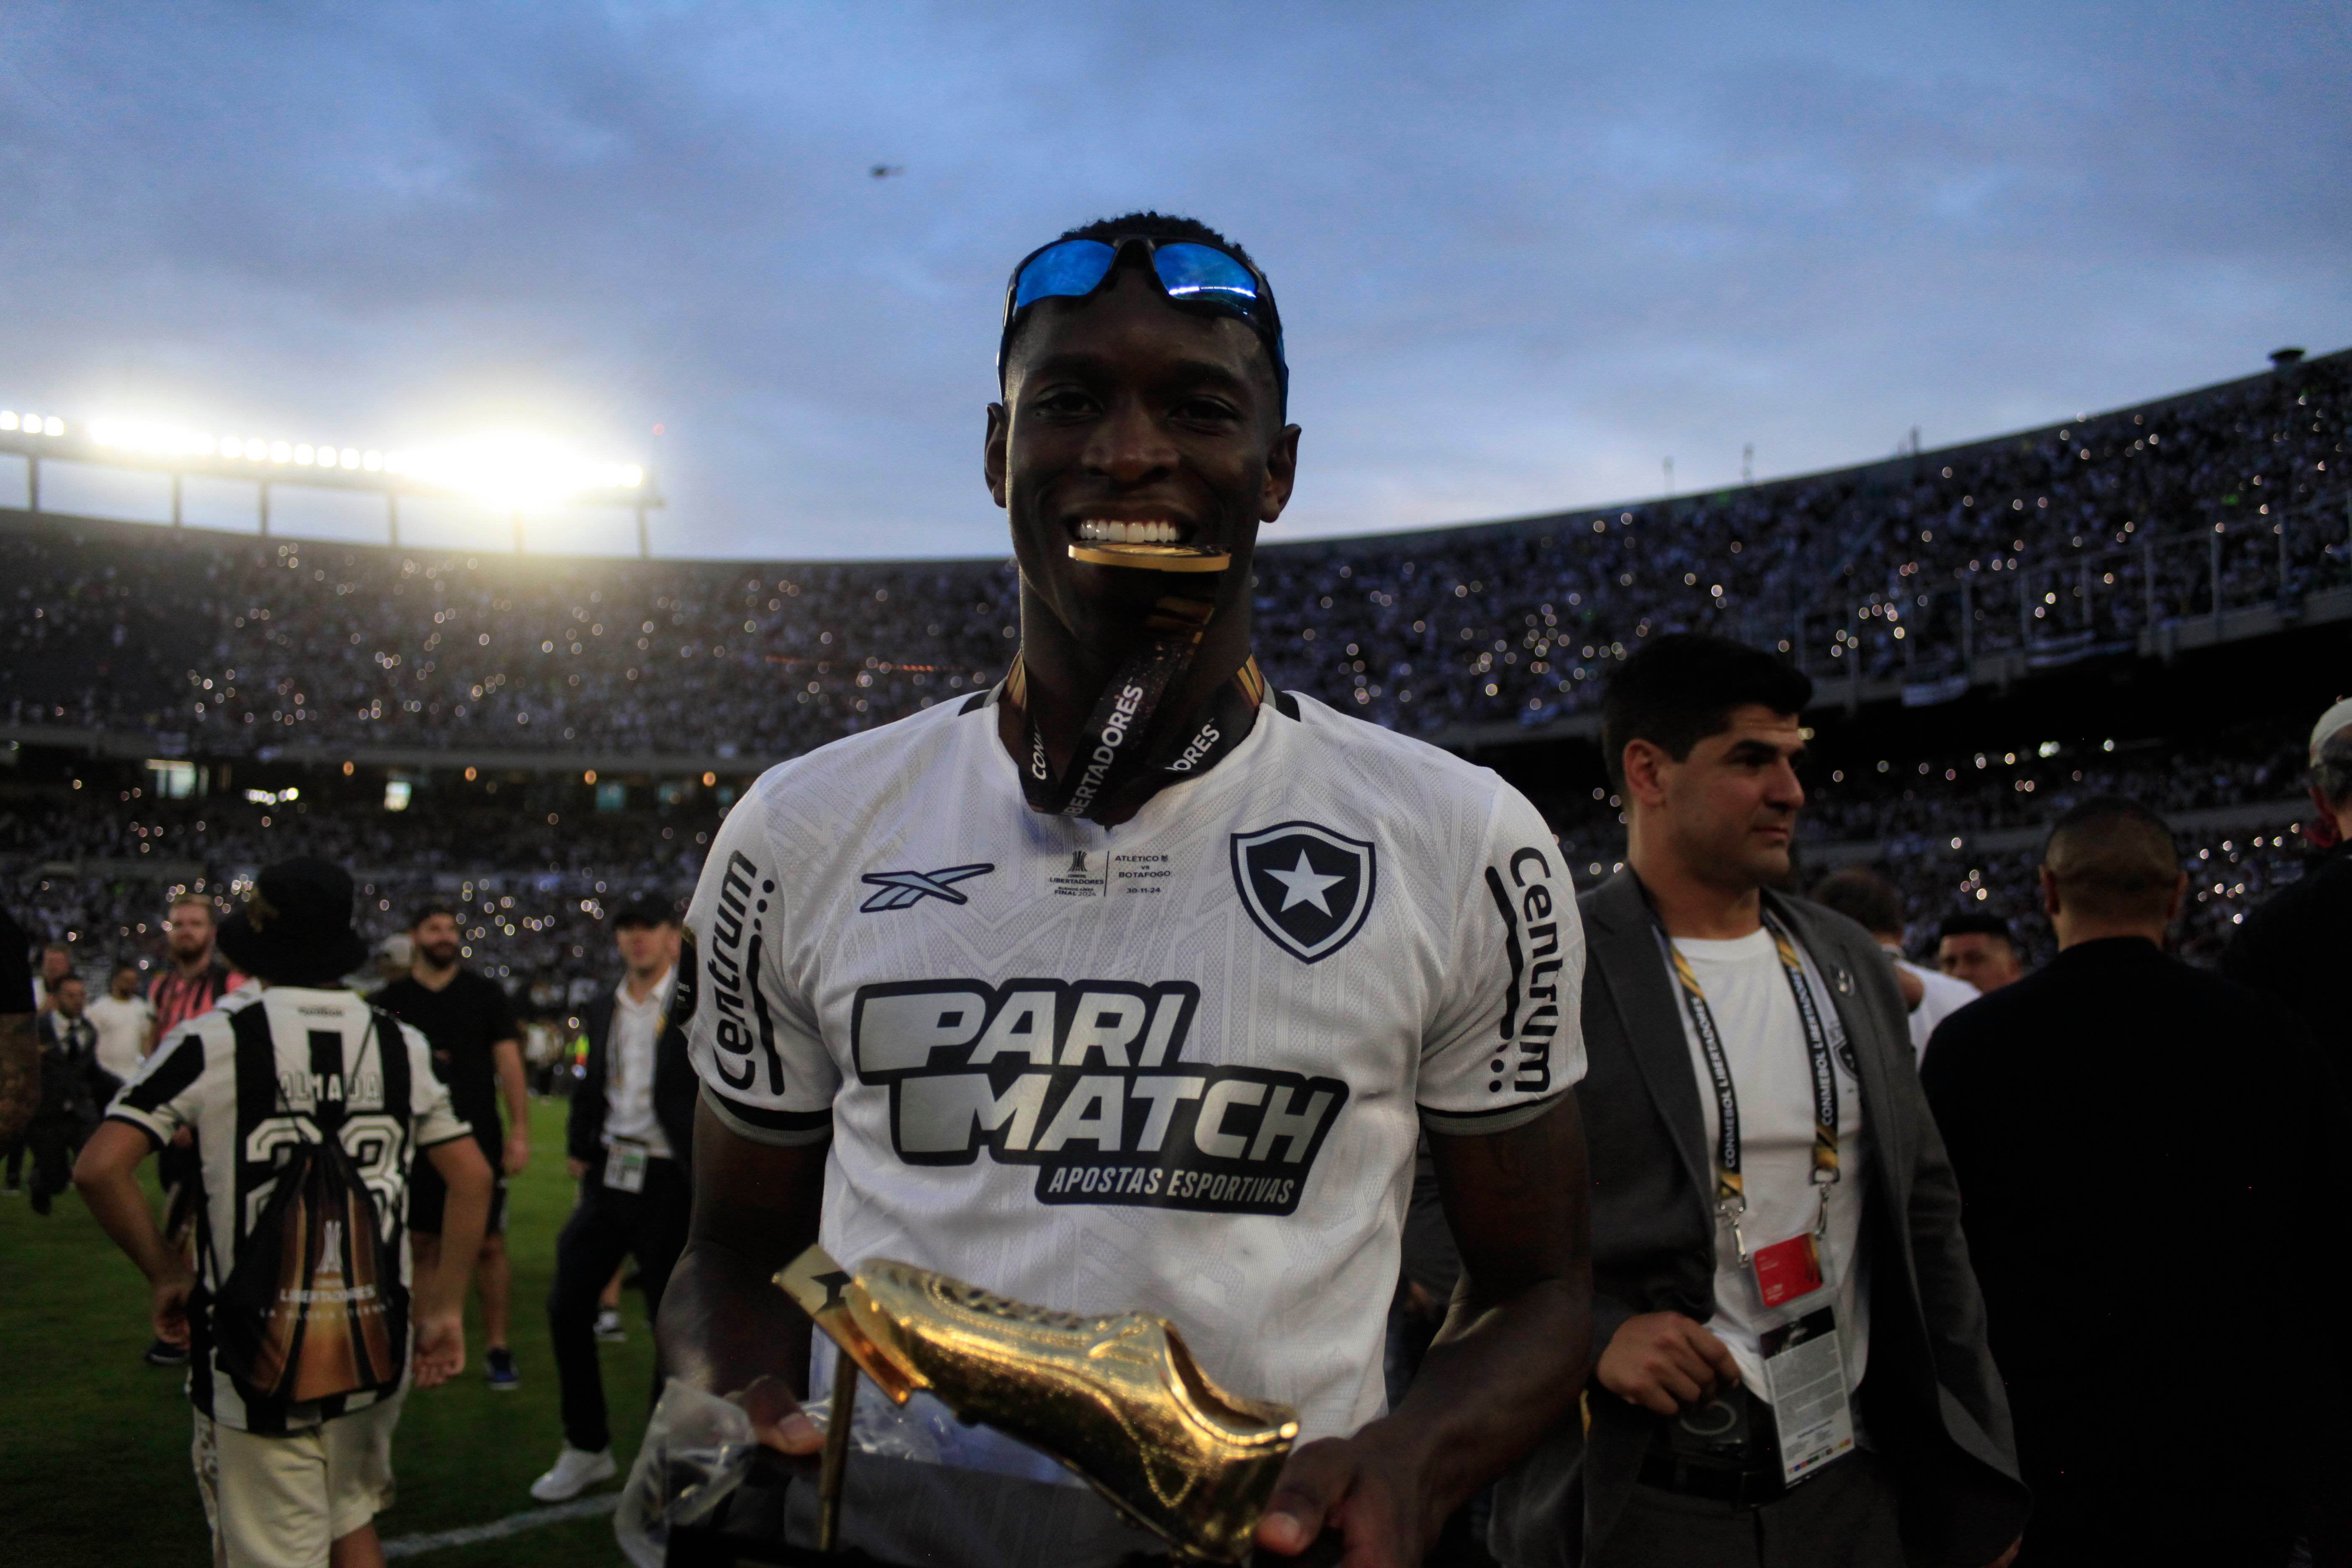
{"x": 1149, "y": 557}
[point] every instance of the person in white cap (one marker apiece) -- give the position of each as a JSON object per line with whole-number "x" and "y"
{"x": 2294, "y": 946}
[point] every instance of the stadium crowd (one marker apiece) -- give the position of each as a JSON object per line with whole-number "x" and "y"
{"x": 2055, "y": 543}
{"x": 536, "y": 897}
{"x": 2040, "y": 878}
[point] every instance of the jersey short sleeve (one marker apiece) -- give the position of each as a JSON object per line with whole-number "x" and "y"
{"x": 1508, "y": 1038}
{"x": 431, "y": 1113}
{"x": 756, "y": 1045}
{"x": 180, "y": 1077}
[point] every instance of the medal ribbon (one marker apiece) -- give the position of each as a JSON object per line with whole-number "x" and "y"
{"x": 1114, "y": 749}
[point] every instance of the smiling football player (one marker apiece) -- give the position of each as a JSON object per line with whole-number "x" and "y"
{"x": 1130, "y": 983}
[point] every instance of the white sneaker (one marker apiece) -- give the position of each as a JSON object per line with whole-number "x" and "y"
{"x": 608, "y": 1327}
{"x": 576, "y": 1471}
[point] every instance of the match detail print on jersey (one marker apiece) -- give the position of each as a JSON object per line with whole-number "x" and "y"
{"x": 1306, "y": 887}
{"x": 1086, "y": 1080}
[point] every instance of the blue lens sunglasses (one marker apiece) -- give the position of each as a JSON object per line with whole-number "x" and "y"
{"x": 1196, "y": 276}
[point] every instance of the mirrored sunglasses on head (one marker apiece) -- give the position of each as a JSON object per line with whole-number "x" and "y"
{"x": 1191, "y": 274}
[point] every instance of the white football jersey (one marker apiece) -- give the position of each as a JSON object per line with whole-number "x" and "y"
{"x": 1177, "y": 1064}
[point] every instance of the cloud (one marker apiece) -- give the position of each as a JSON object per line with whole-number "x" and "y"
{"x": 1523, "y": 252}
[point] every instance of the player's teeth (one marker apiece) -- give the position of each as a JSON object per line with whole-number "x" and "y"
{"x": 1129, "y": 532}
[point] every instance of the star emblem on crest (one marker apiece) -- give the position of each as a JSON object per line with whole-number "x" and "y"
{"x": 1308, "y": 888}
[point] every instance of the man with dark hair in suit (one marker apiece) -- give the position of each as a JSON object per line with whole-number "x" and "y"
{"x": 1793, "y": 1367}
{"x": 631, "y": 1137}
{"x": 2148, "y": 1153}
{"x": 68, "y": 1072}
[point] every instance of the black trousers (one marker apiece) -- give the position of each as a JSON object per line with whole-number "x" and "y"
{"x": 1844, "y": 1517}
{"x": 53, "y": 1140}
{"x": 607, "y": 1225}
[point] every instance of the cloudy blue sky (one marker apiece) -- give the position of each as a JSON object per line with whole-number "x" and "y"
{"x": 1525, "y": 252}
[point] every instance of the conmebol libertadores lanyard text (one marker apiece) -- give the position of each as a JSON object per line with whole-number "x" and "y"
{"x": 1730, "y": 1194}
{"x": 1111, "y": 752}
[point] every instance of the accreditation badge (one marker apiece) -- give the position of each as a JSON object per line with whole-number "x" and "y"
{"x": 1804, "y": 1358}
{"x": 624, "y": 1165}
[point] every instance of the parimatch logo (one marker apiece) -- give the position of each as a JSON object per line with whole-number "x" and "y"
{"x": 1086, "y": 1080}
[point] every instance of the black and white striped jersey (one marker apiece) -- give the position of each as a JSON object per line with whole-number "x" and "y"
{"x": 244, "y": 1077}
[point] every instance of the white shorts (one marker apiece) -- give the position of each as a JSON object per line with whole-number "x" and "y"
{"x": 280, "y": 1500}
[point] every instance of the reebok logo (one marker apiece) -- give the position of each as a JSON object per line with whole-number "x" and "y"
{"x": 901, "y": 889}
{"x": 1085, "y": 1081}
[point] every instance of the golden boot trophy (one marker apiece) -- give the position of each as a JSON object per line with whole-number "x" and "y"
{"x": 1118, "y": 1400}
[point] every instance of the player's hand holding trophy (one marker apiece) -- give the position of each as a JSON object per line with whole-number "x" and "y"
{"x": 1119, "y": 1399}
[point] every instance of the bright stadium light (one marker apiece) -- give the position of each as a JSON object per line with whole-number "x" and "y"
{"x": 513, "y": 469}
{"x": 510, "y": 468}
{"x": 516, "y": 471}
{"x": 151, "y": 440}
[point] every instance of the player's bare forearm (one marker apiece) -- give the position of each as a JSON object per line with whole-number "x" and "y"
{"x": 105, "y": 1175}
{"x": 723, "y": 1321}
{"x": 514, "y": 1087}
{"x": 1519, "y": 1338}
{"x": 465, "y": 1216}
{"x": 1506, "y": 1366}
{"x": 20, "y": 1073}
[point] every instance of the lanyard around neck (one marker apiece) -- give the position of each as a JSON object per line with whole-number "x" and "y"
{"x": 1730, "y": 1192}
{"x": 1115, "y": 750}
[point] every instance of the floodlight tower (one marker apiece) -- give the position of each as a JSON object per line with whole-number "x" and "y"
{"x": 516, "y": 471}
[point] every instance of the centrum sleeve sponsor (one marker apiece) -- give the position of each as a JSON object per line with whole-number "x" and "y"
{"x": 1522, "y": 893}
{"x": 1086, "y": 1080}
{"x": 752, "y": 1051}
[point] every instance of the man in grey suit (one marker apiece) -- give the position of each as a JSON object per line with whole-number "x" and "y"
{"x": 1794, "y": 1368}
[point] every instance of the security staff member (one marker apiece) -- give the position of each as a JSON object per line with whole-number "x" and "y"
{"x": 632, "y": 1132}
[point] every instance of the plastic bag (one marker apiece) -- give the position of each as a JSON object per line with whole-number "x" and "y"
{"x": 699, "y": 1447}
{"x": 696, "y": 1449}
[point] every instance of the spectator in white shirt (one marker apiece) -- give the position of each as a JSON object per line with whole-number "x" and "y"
{"x": 1871, "y": 902}
{"x": 631, "y": 1134}
{"x": 125, "y": 1024}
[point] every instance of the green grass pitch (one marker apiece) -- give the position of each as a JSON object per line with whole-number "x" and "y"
{"x": 94, "y": 1442}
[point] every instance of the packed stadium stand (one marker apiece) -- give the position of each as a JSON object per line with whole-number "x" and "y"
{"x": 1995, "y": 628}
